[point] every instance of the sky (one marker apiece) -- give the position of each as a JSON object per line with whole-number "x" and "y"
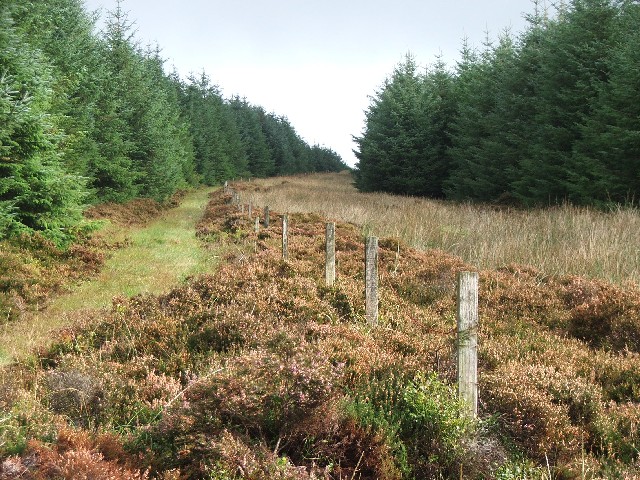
{"x": 316, "y": 62}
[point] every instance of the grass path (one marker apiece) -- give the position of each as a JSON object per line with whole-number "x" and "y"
{"x": 159, "y": 256}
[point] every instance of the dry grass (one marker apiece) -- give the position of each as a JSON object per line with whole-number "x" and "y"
{"x": 563, "y": 240}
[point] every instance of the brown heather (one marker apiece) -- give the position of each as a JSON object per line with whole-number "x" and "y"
{"x": 260, "y": 371}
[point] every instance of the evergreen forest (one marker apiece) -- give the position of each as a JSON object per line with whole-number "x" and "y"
{"x": 549, "y": 116}
{"x": 88, "y": 117}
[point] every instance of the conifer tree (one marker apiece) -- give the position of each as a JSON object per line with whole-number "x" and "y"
{"x": 393, "y": 142}
{"x": 572, "y": 52}
{"x": 606, "y": 160}
{"x": 253, "y": 137}
{"x": 36, "y": 193}
{"x": 439, "y": 104}
{"x": 486, "y": 127}
{"x": 63, "y": 31}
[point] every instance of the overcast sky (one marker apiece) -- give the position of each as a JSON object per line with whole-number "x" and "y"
{"x": 314, "y": 61}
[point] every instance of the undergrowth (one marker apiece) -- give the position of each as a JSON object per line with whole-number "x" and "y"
{"x": 32, "y": 268}
{"x": 260, "y": 371}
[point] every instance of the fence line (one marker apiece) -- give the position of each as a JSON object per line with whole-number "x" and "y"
{"x": 467, "y": 303}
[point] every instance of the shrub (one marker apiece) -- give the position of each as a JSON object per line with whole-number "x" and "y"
{"x": 422, "y": 423}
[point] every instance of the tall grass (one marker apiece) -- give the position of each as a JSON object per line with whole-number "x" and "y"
{"x": 559, "y": 240}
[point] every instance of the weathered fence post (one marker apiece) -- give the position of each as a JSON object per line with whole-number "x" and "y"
{"x": 250, "y": 210}
{"x": 285, "y": 237}
{"x": 330, "y": 257}
{"x": 226, "y": 187}
{"x": 266, "y": 217}
{"x": 468, "y": 341}
{"x": 371, "y": 280}
{"x": 257, "y": 227}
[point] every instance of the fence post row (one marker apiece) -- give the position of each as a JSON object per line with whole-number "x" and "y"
{"x": 467, "y": 306}
{"x": 371, "y": 280}
{"x": 330, "y": 257}
{"x": 285, "y": 237}
{"x": 467, "y": 316}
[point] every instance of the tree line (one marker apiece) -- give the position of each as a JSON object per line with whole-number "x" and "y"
{"x": 549, "y": 116}
{"x": 90, "y": 117}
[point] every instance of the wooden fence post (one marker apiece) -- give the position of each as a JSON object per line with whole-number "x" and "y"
{"x": 371, "y": 280}
{"x": 330, "y": 257}
{"x": 285, "y": 237}
{"x": 250, "y": 210}
{"x": 266, "y": 217}
{"x": 257, "y": 227}
{"x": 226, "y": 187}
{"x": 468, "y": 341}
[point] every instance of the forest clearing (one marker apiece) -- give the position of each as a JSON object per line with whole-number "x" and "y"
{"x": 257, "y": 369}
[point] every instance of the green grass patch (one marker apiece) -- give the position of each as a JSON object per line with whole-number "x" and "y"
{"x": 158, "y": 256}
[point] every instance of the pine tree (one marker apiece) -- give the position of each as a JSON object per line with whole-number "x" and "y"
{"x": 571, "y": 53}
{"x": 36, "y": 193}
{"x": 392, "y": 144}
{"x": 607, "y": 158}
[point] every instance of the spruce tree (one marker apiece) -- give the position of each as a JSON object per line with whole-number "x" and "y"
{"x": 572, "y": 53}
{"x": 36, "y": 192}
{"x": 485, "y": 131}
{"x": 253, "y": 138}
{"x": 392, "y": 144}
{"x": 439, "y": 106}
{"x": 607, "y": 158}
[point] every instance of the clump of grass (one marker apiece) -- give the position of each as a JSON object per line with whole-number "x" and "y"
{"x": 558, "y": 241}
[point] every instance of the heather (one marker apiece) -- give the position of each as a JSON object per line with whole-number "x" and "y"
{"x": 258, "y": 370}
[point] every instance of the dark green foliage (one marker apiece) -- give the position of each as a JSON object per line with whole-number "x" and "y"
{"x": 325, "y": 160}
{"x": 609, "y": 149}
{"x": 573, "y": 62}
{"x": 394, "y": 140}
{"x": 248, "y": 120}
{"x": 219, "y": 152}
{"x": 485, "y": 145}
{"x": 36, "y": 193}
{"x": 404, "y": 148}
{"x": 419, "y": 419}
{"x": 542, "y": 119}
{"x": 88, "y": 118}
